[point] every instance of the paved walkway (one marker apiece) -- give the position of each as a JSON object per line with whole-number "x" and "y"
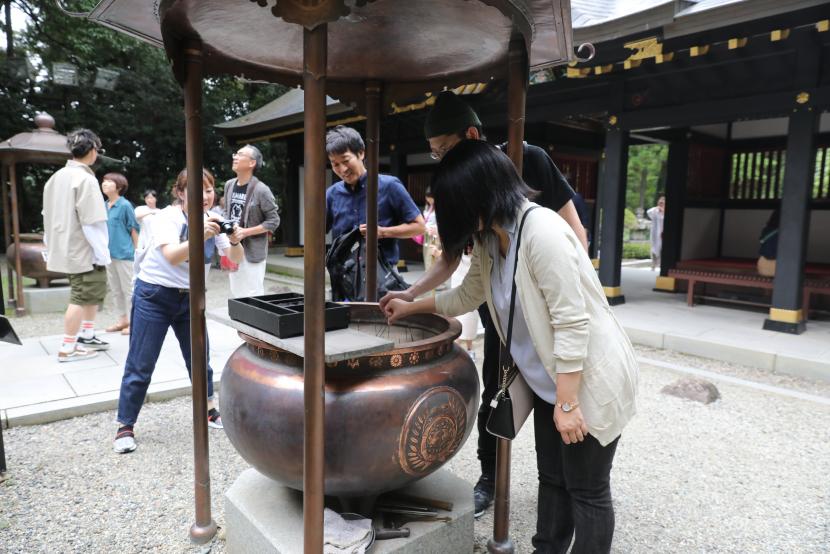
{"x": 36, "y": 388}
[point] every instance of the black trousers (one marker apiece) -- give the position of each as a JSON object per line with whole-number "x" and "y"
{"x": 490, "y": 378}
{"x": 574, "y": 490}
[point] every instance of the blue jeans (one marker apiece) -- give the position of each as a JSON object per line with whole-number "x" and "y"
{"x": 155, "y": 308}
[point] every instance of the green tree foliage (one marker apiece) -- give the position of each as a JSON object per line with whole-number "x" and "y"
{"x": 141, "y": 121}
{"x": 646, "y": 175}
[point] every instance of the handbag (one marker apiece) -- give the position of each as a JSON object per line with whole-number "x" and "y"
{"x": 513, "y": 402}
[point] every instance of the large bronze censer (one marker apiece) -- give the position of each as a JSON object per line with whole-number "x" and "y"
{"x": 391, "y": 418}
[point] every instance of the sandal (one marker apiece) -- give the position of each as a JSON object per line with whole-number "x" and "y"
{"x": 117, "y": 327}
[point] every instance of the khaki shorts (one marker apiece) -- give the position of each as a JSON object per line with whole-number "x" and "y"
{"x": 88, "y": 289}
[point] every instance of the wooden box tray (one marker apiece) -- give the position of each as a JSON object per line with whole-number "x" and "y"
{"x": 282, "y": 314}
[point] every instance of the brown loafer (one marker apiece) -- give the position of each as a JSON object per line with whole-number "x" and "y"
{"x": 117, "y": 327}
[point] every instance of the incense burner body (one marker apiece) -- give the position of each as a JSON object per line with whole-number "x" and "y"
{"x": 391, "y": 418}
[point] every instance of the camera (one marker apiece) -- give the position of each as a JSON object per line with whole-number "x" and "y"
{"x": 226, "y": 227}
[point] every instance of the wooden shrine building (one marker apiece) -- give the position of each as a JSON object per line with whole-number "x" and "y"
{"x": 739, "y": 90}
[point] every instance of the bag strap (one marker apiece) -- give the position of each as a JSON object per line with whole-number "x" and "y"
{"x": 508, "y": 370}
{"x": 513, "y": 278}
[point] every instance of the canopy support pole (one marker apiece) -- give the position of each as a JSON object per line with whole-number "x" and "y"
{"x": 517, "y": 81}
{"x": 372, "y": 158}
{"x": 4, "y": 190}
{"x": 204, "y": 528}
{"x": 315, "y": 44}
{"x": 20, "y": 304}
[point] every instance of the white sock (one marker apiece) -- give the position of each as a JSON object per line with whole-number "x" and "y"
{"x": 68, "y": 344}
{"x": 87, "y": 329}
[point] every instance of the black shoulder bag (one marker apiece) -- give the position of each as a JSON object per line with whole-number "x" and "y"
{"x": 513, "y": 402}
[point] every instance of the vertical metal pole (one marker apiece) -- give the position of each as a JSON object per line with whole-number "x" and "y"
{"x": 372, "y": 161}
{"x": 20, "y": 305}
{"x": 4, "y": 177}
{"x": 315, "y": 46}
{"x": 204, "y": 528}
{"x": 517, "y": 75}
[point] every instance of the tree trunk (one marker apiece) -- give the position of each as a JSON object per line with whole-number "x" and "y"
{"x": 9, "y": 33}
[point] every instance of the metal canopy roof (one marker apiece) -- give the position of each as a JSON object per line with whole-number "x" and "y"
{"x": 409, "y": 47}
{"x": 41, "y": 145}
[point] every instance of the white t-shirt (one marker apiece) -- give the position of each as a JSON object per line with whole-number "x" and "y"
{"x": 167, "y": 227}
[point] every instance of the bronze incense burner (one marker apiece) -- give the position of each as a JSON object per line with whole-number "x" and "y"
{"x": 391, "y": 417}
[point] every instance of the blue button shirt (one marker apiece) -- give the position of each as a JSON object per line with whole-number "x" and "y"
{"x": 346, "y": 209}
{"x": 120, "y": 223}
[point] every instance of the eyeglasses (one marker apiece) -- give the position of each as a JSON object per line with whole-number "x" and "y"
{"x": 439, "y": 153}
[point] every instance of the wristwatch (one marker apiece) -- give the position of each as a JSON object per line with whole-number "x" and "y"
{"x": 567, "y": 407}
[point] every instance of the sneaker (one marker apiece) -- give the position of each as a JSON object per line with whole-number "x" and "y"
{"x": 214, "y": 419}
{"x": 94, "y": 343}
{"x": 124, "y": 440}
{"x": 76, "y": 355}
{"x": 483, "y": 495}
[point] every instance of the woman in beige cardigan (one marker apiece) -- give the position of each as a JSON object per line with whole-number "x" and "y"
{"x": 568, "y": 345}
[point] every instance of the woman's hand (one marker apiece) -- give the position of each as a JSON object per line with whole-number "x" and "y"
{"x": 404, "y": 295}
{"x": 211, "y": 228}
{"x": 570, "y": 425}
{"x": 396, "y": 309}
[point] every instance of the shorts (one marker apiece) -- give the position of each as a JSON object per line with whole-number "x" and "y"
{"x": 89, "y": 288}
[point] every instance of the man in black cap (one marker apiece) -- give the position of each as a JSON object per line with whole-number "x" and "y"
{"x": 451, "y": 121}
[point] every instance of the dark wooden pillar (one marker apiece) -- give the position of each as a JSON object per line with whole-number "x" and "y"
{"x": 291, "y": 211}
{"x": 787, "y": 314}
{"x": 612, "y": 212}
{"x": 397, "y": 163}
{"x": 676, "y": 176}
{"x": 517, "y": 75}
{"x": 7, "y": 226}
{"x": 315, "y": 45}
{"x": 372, "y": 163}
{"x": 204, "y": 528}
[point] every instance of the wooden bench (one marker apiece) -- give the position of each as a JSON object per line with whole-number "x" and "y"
{"x": 752, "y": 280}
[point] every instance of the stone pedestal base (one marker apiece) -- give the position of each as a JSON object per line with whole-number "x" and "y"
{"x": 42, "y": 301}
{"x": 265, "y": 517}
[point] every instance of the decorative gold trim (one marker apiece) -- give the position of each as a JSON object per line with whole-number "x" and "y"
{"x": 823, "y": 26}
{"x": 603, "y": 69}
{"x": 577, "y": 72}
{"x": 667, "y": 57}
{"x": 294, "y": 251}
{"x": 631, "y": 64}
{"x": 696, "y": 51}
{"x": 786, "y": 316}
{"x": 779, "y": 34}
{"x": 665, "y": 283}
{"x": 645, "y": 48}
{"x": 802, "y": 98}
{"x": 595, "y": 262}
{"x": 612, "y": 120}
{"x": 735, "y": 43}
{"x": 612, "y": 292}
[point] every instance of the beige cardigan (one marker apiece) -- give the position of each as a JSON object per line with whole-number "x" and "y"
{"x": 570, "y": 322}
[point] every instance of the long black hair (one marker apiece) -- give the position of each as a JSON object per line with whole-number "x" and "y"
{"x": 475, "y": 186}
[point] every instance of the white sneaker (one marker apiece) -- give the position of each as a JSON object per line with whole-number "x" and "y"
{"x": 124, "y": 441}
{"x": 76, "y": 355}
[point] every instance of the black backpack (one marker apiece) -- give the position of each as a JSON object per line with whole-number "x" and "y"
{"x": 346, "y": 264}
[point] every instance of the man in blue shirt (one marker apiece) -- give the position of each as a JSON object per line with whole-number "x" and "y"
{"x": 398, "y": 216}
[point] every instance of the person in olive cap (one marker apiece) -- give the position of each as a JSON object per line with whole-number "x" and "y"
{"x": 451, "y": 121}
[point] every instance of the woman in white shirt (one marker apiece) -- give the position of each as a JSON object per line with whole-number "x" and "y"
{"x": 566, "y": 342}
{"x": 161, "y": 299}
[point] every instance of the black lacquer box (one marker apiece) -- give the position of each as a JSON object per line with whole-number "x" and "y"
{"x": 281, "y": 315}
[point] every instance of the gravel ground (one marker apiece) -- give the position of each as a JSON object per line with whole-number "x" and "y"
{"x": 743, "y": 474}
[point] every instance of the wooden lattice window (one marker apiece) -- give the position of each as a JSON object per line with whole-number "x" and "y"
{"x": 759, "y": 174}
{"x": 580, "y": 171}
